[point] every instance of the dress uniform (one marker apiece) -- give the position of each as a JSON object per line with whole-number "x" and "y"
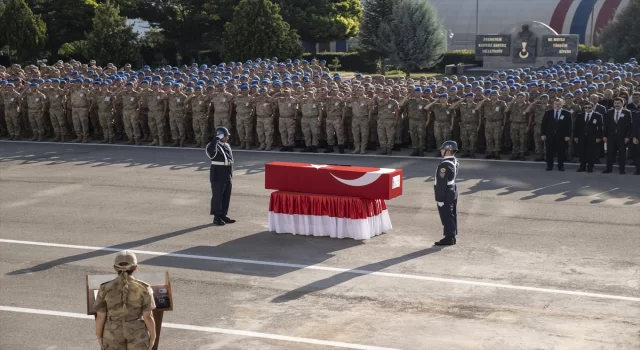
{"x": 220, "y": 176}
{"x": 446, "y": 192}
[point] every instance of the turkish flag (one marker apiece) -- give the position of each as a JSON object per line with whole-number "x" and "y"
{"x": 338, "y": 180}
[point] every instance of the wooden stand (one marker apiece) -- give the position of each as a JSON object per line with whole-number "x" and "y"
{"x": 155, "y": 280}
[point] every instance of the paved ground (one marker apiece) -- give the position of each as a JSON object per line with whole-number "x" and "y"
{"x": 532, "y": 244}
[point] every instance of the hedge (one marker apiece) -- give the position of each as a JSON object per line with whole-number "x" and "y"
{"x": 349, "y": 61}
{"x": 589, "y": 53}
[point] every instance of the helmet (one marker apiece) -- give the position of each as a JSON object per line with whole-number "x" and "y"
{"x": 449, "y": 146}
{"x": 222, "y": 132}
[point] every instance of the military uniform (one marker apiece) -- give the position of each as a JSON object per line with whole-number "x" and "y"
{"x": 222, "y": 105}
{"x": 105, "y": 101}
{"x": 311, "y": 108}
{"x": 446, "y": 195}
{"x": 12, "y": 116}
{"x": 519, "y": 127}
{"x": 335, "y": 123}
{"x": 80, "y": 113}
{"x": 443, "y": 120}
{"x": 36, "y": 101}
{"x": 244, "y": 119}
{"x": 156, "y": 117}
{"x": 469, "y": 124}
{"x": 177, "y": 102}
{"x": 493, "y": 112}
{"x": 539, "y": 109}
{"x": 287, "y": 109}
{"x": 130, "y": 115}
{"x": 264, "y": 107}
{"x": 124, "y": 329}
{"x": 387, "y": 118}
{"x": 200, "y": 106}
{"x": 57, "y": 102}
{"x": 360, "y": 122}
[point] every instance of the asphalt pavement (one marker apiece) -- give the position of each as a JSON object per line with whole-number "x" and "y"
{"x": 544, "y": 260}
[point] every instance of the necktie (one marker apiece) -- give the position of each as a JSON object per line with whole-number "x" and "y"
{"x": 557, "y": 115}
{"x": 588, "y": 117}
{"x": 617, "y": 116}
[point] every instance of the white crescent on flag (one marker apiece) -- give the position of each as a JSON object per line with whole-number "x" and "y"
{"x": 366, "y": 179}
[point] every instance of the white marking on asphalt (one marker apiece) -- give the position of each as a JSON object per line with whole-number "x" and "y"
{"x": 334, "y": 269}
{"x": 611, "y": 190}
{"x": 206, "y": 329}
{"x": 542, "y": 188}
{"x": 278, "y": 152}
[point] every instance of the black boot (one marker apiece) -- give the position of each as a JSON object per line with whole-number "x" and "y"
{"x": 314, "y": 149}
{"x": 283, "y": 149}
{"x": 341, "y": 149}
{"x": 290, "y": 149}
{"x": 414, "y": 153}
{"x": 446, "y": 241}
{"x": 218, "y": 221}
{"x": 329, "y": 149}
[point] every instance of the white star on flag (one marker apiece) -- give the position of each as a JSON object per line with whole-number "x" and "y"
{"x": 318, "y": 166}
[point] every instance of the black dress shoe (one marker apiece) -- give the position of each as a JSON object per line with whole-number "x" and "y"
{"x": 549, "y": 169}
{"x": 218, "y": 221}
{"x": 561, "y": 168}
{"x": 607, "y": 171}
{"x": 580, "y": 170}
{"x": 227, "y": 220}
{"x": 446, "y": 241}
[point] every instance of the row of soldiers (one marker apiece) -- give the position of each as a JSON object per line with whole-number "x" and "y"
{"x": 184, "y": 105}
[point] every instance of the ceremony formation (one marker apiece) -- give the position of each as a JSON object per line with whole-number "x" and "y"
{"x": 326, "y": 174}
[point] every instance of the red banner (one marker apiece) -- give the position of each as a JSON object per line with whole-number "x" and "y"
{"x": 337, "y": 180}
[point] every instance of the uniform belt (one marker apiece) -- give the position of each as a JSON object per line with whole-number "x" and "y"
{"x": 222, "y": 163}
{"x": 123, "y": 319}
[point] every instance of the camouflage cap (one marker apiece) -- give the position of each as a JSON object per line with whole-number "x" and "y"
{"x": 126, "y": 256}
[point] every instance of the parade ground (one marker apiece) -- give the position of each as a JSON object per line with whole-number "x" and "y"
{"x": 544, "y": 260}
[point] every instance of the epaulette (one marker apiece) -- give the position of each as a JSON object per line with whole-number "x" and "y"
{"x": 144, "y": 284}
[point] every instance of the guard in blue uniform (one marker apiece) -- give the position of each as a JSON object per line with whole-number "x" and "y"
{"x": 447, "y": 192}
{"x": 220, "y": 174}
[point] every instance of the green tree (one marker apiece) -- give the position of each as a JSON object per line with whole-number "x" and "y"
{"x": 191, "y": 26}
{"x": 414, "y": 38}
{"x": 320, "y": 21}
{"x": 68, "y": 19}
{"x": 258, "y": 30}
{"x": 374, "y": 13}
{"x": 24, "y": 32}
{"x": 111, "y": 40}
{"x": 622, "y": 35}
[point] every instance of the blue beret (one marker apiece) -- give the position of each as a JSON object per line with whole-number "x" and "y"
{"x": 469, "y": 94}
{"x": 128, "y": 83}
{"x": 443, "y": 96}
{"x": 417, "y": 89}
{"x": 544, "y": 96}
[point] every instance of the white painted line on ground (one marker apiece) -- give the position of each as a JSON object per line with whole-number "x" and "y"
{"x": 334, "y": 269}
{"x": 206, "y": 329}
{"x": 611, "y": 190}
{"x": 558, "y": 184}
{"x": 278, "y": 152}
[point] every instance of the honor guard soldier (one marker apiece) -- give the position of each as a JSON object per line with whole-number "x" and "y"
{"x": 446, "y": 192}
{"x": 219, "y": 151}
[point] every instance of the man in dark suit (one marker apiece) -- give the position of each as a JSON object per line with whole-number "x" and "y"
{"x": 599, "y": 108}
{"x": 617, "y": 134}
{"x": 556, "y": 133}
{"x": 634, "y": 107}
{"x": 587, "y": 136}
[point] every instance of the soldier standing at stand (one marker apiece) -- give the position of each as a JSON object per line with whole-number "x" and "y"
{"x": 446, "y": 192}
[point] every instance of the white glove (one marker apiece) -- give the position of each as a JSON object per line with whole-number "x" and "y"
{"x": 440, "y": 204}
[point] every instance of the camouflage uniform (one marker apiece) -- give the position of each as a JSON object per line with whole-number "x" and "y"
{"x": 442, "y": 124}
{"x": 387, "y": 109}
{"x": 130, "y": 116}
{"x": 222, "y": 105}
{"x": 80, "y": 113}
{"x": 360, "y": 122}
{"x": 287, "y": 108}
{"x": 574, "y": 109}
{"x": 157, "y": 121}
{"x": 493, "y": 113}
{"x": 200, "y": 106}
{"x": 57, "y": 100}
{"x": 105, "y": 101}
{"x": 538, "y": 113}
{"x": 470, "y": 121}
{"x": 335, "y": 123}
{"x": 244, "y": 119}
{"x": 12, "y": 117}
{"x": 36, "y": 101}
{"x": 417, "y": 119}
{"x": 264, "y": 121}
{"x": 177, "y": 102}
{"x": 124, "y": 328}
{"x": 311, "y": 109}
{"x": 519, "y": 124}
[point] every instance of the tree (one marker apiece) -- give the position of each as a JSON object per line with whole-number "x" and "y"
{"x": 322, "y": 20}
{"x": 111, "y": 40}
{"x": 621, "y": 38}
{"x": 414, "y": 38}
{"x": 258, "y": 30}
{"x": 68, "y": 19}
{"x": 24, "y": 32}
{"x": 189, "y": 25}
{"x": 374, "y": 13}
